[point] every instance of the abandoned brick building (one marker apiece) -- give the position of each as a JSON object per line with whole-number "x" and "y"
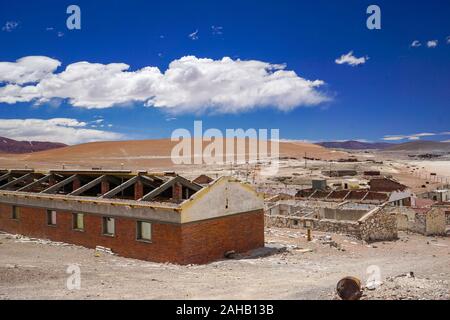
{"x": 155, "y": 217}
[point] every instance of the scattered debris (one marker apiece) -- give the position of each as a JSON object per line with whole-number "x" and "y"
{"x": 104, "y": 249}
{"x": 409, "y": 287}
{"x": 23, "y": 239}
{"x": 230, "y": 254}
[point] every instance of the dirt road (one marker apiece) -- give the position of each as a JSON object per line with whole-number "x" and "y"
{"x": 307, "y": 270}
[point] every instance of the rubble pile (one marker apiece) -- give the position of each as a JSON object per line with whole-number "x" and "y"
{"x": 409, "y": 287}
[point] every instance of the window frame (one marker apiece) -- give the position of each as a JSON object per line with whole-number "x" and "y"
{"x": 139, "y": 231}
{"x": 104, "y": 226}
{"x": 15, "y": 213}
{"x": 49, "y": 218}
{"x": 75, "y": 226}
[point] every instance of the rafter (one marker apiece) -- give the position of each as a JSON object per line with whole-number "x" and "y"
{"x": 121, "y": 187}
{"x": 35, "y": 183}
{"x": 88, "y": 186}
{"x": 5, "y": 176}
{"x": 60, "y": 184}
{"x": 166, "y": 185}
{"x": 15, "y": 181}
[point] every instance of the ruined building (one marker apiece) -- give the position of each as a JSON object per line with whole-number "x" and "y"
{"x": 149, "y": 216}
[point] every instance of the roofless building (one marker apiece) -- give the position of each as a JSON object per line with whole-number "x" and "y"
{"x": 151, "y": 216}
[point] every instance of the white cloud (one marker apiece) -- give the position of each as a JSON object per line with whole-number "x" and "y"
{"x": 65, "y": 130}
{"x": 351, "y": 60}
{"x": 432, "y": 43}
{"x": 190, "y": 84}
{"x": 415, "y": 136}
{"x": 217, "y": 30}
{"x": 27, "y": 69}
{"x": 448, "y": 40}
{"x": 194, "y": 35}
{"x": 416, "y": 44}
{"x": 10, "y": 26}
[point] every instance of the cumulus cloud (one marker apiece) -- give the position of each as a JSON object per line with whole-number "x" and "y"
{"x": 190, "y": 84}
{"x": 65, "y": 130}
{"x": 351, "y": 60}
{"x": 432, "y": 43}
{"x": 448, "y": 40}
{"x": 416, "y": 44}
{"x": 10, "y": 26}
{"x": 27, "y": 69}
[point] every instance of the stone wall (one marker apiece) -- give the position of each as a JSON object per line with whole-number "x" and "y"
{"x": 379, "y": 225}
{"x": 342, "y": 214}
{"x": 402, "y": 222}
{"x": 325, "y": 225}
{"x": 435, "y": 222}
{"x": 427, "y": 221}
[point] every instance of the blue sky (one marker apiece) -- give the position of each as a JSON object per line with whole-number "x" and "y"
{"x": 399, "y": 91}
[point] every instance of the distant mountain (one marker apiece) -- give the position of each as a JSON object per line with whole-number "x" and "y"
{"x": 421, "y": 146}
{"x": 13, "y": 146}
{"x": 355, "y": 145}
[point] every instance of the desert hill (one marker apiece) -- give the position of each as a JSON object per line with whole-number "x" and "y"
{"x": 137, "y": 154}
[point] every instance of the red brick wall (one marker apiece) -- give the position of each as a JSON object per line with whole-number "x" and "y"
{"x": 208, "y": 240}
{"x": 199, "y": 242}
{"x": 104, "y": 187}
{"x": 138, "y": 190}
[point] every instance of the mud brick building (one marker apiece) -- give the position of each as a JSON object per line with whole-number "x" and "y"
{"x": 155, "y": 217}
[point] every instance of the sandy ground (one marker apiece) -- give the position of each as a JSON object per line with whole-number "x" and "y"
{"x": 440, "y": 167}
{"x": 307, "y": 270}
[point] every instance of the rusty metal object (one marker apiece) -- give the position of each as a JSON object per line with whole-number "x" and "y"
{"x": 349, "y": 288}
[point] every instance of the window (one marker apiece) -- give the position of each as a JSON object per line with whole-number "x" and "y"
{"x": 78, "y": 221}
{"x": 144, "y": 231}
{"x": 15, "y": 213}
{"x": 108, "y": 226}
{"x": 51, "y": 217}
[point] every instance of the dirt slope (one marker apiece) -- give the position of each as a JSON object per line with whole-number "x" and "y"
{"x": 137, "y": 154}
